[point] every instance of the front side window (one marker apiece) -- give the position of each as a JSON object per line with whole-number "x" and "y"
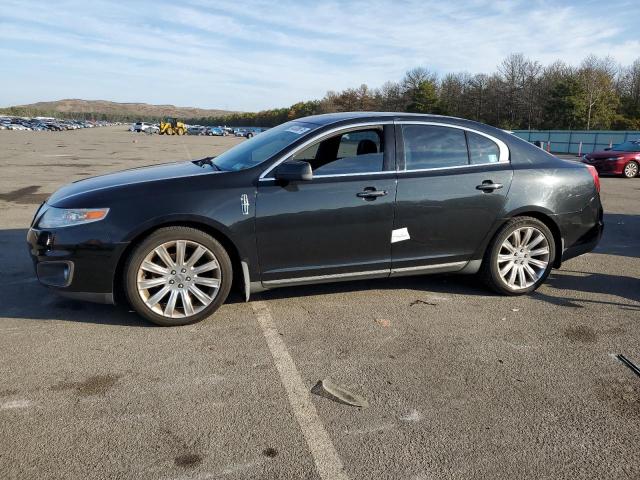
{"x": 262, "y": 147}
{"x": 359, "y": 151}
{"x": 431, "y": 146}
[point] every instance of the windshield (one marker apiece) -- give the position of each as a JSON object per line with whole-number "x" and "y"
{"x": 263, "y": 146}
{"x": 627, "y": 147}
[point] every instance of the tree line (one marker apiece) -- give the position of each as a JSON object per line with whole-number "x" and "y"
{"x": 520, "y": 94}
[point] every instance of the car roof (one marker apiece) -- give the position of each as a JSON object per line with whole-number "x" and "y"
{"x": 328, "y": 118}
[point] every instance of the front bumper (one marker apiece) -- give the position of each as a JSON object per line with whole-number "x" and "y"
{"x": 607, "y": 167}
{"x": 78, "y": 262}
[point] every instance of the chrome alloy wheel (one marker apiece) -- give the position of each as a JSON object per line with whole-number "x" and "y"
{"x": 631, "y": 169}
{"x": 179, "y": 278}
{"x": 523, "y": 258}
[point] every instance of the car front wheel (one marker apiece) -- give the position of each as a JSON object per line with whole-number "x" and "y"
{"x": 520, "y": 257}
{"x": 630, "y": 169}
{"x": 178, "y": 276}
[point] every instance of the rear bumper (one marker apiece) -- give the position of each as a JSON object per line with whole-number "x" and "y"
{"x": 581, "y": 231}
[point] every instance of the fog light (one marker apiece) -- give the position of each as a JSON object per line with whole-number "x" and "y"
{"x": 55, "y": 274}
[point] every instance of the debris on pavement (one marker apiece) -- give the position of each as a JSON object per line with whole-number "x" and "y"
{"x": 383, "y": 322}
{"x": 412, "y": 416}
{"x": 328, "y": 389}
{"x": 270, "y": 452}
{"x": 422, "y": 302}
{"x": 634, "y": 368}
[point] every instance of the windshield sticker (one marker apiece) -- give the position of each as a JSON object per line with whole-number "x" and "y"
{"x": 297, "y": 130}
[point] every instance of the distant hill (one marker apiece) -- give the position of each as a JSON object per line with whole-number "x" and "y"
{"x": 68, "y": 107}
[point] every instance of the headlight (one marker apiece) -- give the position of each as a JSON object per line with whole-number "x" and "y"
{"x": 67, "y": 217}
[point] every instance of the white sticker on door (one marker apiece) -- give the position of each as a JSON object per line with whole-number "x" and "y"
{"x": 399, "y": 235}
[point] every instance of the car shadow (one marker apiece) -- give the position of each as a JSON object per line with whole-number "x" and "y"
{"x": 621, "y": 235}
{"x": 596, "y": 283}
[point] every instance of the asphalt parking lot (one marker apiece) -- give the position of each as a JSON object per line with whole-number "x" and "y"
{"x": 461, "y": 383}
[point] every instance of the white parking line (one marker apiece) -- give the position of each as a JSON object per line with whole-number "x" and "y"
{"x": 328, "y": 463}
{"x": 15, "y": 404}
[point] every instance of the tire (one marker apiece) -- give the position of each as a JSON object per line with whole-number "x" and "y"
{"x": 249, "y": 135}
{"x": 535, "y": 269}
{"x": 631, "y": 169}
{"x": 171, "y": 294}
{"x": 180, "y": 131}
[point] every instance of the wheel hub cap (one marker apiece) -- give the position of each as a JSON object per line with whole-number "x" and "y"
{"x": 179, "y": 278}
{"x": 523, "y": 258}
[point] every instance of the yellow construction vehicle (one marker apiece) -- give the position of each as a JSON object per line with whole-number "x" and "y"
{"x": 172, "y": 127}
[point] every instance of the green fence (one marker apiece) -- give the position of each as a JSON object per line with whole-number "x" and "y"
{"x": 569, "y": 141}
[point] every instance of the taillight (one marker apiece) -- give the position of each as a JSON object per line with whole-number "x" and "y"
{"x": 596, "y": 177}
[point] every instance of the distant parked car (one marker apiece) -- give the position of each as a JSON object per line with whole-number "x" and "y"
{"x": 140, "y": 126}
{"x": 54, "y": 127}
{"x": 622, "y": 159}
{"x": 196, "y": 130}
{"x": 246, "y": 133}
{"x": 215, "y": 131}
{"x": 152, "y": 129}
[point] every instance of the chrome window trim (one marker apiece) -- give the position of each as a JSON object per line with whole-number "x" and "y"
{"x": 315, "y": 138}
{"x": 456, "y": 167}
{"x": 502, "y": 147}
{"x": 338, "y": 175}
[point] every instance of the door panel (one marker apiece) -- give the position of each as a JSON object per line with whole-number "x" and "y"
{"x": 446, "y": 216}
{"x": 322, "y": 227}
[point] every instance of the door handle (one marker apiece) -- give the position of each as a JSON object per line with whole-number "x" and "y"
{"x": 488, "y": 186}
{"x": 370, "y": 193}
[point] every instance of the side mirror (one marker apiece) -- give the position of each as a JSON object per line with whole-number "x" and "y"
{"x": 294, "y": 170}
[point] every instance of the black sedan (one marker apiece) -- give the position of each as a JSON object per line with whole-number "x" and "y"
{"x": 321, "y": 199}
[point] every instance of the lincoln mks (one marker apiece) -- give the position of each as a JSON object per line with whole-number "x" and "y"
{"x": 327, "y": 198}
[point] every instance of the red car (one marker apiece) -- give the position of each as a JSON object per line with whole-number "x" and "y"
{"x": 622, "y": 159}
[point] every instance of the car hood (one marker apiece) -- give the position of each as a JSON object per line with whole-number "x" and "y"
{"x": 127, "y": 177}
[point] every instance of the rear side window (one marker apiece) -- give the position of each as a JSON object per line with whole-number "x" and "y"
{"x": 430, "y": 146}
{"x": 481, "y": 149}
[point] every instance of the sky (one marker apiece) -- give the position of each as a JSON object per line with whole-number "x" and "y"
{"x": 252, "y": 55}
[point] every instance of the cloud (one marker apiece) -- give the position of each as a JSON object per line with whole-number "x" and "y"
{"x": 256, "y": 54}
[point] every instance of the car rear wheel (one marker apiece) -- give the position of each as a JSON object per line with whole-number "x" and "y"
{"x": 178, "y": 276}
{"x": 630, "y": 169}
{"x": 520, "y": 257}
